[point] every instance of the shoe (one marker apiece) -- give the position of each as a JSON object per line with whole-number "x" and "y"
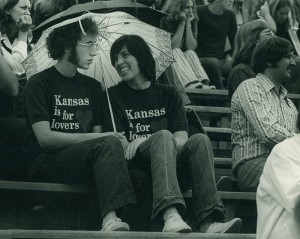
{"x": 224, "y": 183}
{"x": 194, "y": 84}
{"x": 208, "y": 87}
{"x": 232, "y": 226}
{"x": 174, "y": 223}
{"x": 115, "y": 224}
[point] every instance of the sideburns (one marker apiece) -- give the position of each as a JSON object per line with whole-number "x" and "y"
{"x": 73, "y": 57}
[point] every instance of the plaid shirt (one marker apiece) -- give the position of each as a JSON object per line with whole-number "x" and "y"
{"x": 260, "y": 119}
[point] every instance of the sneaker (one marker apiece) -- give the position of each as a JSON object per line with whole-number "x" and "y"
{"x": 115, "y": 224}
{"x": 232, "y": 226}
{"x": 224, "y": 183}
{"x": 194, "y": 84}
{"x": 174, "y": 223}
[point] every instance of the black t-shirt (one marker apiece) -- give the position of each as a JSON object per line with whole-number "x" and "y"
{"x": 140, "y": 113}
{"x": 213, "y": 31}
{"x": 70, "y": 105}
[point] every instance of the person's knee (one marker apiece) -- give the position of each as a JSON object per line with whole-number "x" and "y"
{"x": 165, "y": 136}
{"x": 109, "y": 142}
{"x": 199, "y": 139}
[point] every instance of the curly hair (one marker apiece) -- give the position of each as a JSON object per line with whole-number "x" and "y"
{"x": 269, "y": 52}
{"x": 246, "y": 40}
{"x": 66, "y": 37}
{"x": 139, "y": 48}
{"x": 174, "y": 7}
{"x": 5, "y": 19}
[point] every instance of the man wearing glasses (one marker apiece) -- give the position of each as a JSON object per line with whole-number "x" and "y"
{"x": 262, "y": 115}
{"x": 64, "y": 140}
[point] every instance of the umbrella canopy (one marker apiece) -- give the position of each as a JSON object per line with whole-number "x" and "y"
{"x": 111, "y": 27}
{"x": 140, "y": 11}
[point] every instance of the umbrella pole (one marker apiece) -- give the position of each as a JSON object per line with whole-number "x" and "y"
{"x": 110, "y": 111}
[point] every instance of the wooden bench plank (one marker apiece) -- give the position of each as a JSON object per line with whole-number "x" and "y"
{"x": 226, "y": 195}
{"x": 65, "y": 234}
{"x": 218, "y": 134}
{"x": 212, "y": 110}
{"x": 43, "y": 187}
{"x": 221, "y": 94}
{"x": 225, "y": 163}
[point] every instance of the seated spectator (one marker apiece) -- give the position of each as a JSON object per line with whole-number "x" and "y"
{"x": 242, "y": 10}
{"x": 15, "y": 23}
{"x": 154, "y": 121}
{"x": 63, "y": 139}
{"x": 278, "y": 193}
{"x": 246, "y": 39}
{"x": 216, "y": 23}
{"x": 262, "y": 115}
{"x": 262, "y": 11}
{"x": 284, "y": 17}
{"x": 15, "y": 34}
{"x": 44, "y": 9}
{"x": 181, "y": 21}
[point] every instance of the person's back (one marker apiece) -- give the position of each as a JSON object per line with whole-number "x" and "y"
{"x": 278, "y": 193}
{"x": 246, "y": 39}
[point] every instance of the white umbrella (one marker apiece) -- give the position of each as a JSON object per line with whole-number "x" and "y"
{"x": 111, "y": 27}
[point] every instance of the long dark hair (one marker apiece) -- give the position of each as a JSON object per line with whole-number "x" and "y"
{"x": 5, "y": 19}
{"x": 139, "y": 48}
{"x": 245, "y": 41}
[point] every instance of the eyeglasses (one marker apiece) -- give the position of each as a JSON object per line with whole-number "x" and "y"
{"x": 290, "y": 56}
{"x": 267, "y": 33}
{"x": 91, "y": 46}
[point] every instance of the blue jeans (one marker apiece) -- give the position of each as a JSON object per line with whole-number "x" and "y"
{"x": 249, "y": 173}
{"x": 99, "y": 163}
{"x": 158, "y": 155}
{"x": 216, "y": 69}
{"x": 195, "y": 168}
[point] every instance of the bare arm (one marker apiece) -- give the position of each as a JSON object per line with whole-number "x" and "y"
{"x": 8, "y": 81}
{"x": 190, "y": 38}
{"x": 178, "y": 36}
{"x": 264, "y": 13}
{"x": 49, "y": 139}
{"x": 24, "y": 23}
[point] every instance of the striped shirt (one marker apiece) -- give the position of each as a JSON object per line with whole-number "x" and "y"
{"x": 260, "y": 119}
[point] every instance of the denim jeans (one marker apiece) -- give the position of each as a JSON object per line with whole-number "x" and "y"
{"x": 157, "y": 155}
{"x": 249, "y": 172}
{"x": 194, "y": 168}
{"x": 216, "y": 69}
{"x": 97, "y": 162}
